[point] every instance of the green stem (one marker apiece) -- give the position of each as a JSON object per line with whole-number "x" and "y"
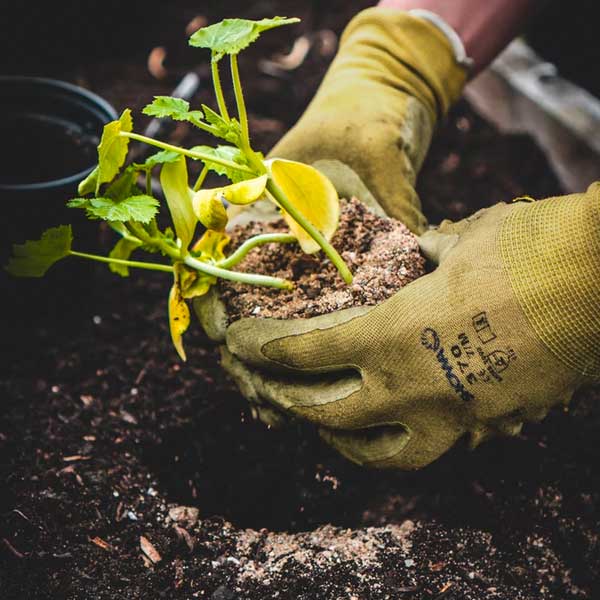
{"x": 125, "y": 263}
{"x": 204, "y": 126}
{"x": 149, "y": 182}
{"x": 316, "y": 235}
{"x": 200, "y": 179}
{"x": 213, "y": 270}
{"x": 191, "y": 153}
{"x": 257, "y": 240}
{"x": 152, "y": 228}
{"x": 250, "y": 278}
{"x": 216, "y": 77}
{"x": 239, "y": 99}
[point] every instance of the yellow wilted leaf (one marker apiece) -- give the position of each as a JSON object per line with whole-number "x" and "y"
{"x": 312, "y": 194}
{"x": 209, "y": 209}
{"x": 179, "y": 318}
{"x": 244, "y": 192}
{"x": 211, "y": 245}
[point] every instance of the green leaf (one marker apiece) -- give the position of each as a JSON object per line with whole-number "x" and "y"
{"x": 175, "y": 108}
{"x": 34, "y": 258}
{"x": 230, "y": 36}
{"x": 228, "y": 153}
{"x": 175, "y": 185}
{"x": 112, "y": 150}
{"x": 124, "y": 186}
{"x": 79, "y": 203}
{"x": 122, "y": 250}
{"x": 160, "y": 158}
{"x": 139, "y": 208}
{"x": 230, "y": 131}
{"x": 88, "y": 185}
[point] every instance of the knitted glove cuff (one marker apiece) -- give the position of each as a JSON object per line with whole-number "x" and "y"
{"x": 551, "y": 251}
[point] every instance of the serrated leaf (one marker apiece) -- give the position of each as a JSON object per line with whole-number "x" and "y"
{"x": 209, "y": 209}
{"x": 34, "y": 258}
{"x": 175, "y": 185}
{"x": 177, "y": 109}
{"x": 88, "y": 185}
{"x": 179, "y": 318}
{"x": 78, "y": 203}
{"x": 122, "y": 250}
{"x": 230, "y": 153}
{"x": 230, "y": 36}
{"x": 230, "y": 131}
{"x": 112, "y": 150}
{"x": 160, "y": 158}
{"x": 312, "y": 194}
{"x": 141, "y": 208}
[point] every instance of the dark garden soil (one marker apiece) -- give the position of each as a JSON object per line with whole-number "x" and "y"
{"x": 382, "y": 254}
{"x": 104, "y": 433}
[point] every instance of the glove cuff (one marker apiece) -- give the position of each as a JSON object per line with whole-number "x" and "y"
{"x": 421, "y": 55}
{"x": 551, "y": 251}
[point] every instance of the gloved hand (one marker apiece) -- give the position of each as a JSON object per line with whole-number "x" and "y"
{"x": 506, "y": 327}
{"x": 393, "y": 77}
{"x": 370, "y": 124}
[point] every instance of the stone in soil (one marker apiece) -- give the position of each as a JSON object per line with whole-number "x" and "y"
{"x": 382, "y": 254}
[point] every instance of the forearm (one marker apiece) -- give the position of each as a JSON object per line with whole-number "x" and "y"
{"x": 484, "y": 26}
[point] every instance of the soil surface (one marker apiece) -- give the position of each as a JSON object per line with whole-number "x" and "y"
{"x": 105, "y": 435}
{"x": 382, "y": 254}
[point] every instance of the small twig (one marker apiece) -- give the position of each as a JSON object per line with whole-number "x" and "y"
{"x": 98, "y": 541}
{"x": 444, "y": 591}
{"x": 149, "y": 550}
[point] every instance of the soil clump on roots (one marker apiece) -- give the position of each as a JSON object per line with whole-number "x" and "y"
{"x": 382, "y": 254}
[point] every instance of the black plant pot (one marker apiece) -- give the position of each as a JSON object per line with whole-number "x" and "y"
{"x": 49, "y": 131}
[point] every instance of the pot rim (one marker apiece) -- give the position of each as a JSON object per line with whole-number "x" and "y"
{"x": 91, "y": 97}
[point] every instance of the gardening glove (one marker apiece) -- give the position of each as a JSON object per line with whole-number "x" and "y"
{"x": 394, "y": 76}
{"x": 506, "y": 327}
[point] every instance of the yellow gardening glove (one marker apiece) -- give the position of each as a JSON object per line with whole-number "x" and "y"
{"x": 506, "y": 327}
{"x": 394, "y": 76}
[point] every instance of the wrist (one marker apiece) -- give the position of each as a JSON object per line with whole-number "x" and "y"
{"x": 484, "y": 28}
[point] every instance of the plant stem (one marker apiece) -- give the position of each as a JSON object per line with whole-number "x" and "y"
{"x": 204, "y": 126}
{"x": 200, "y": 179}
{"x": 152, "y": 228}
{"x": 316, "y": 235}
{"x": 250, "y": 278}
{"x": 239, "y": 99}
{"x": 125, "y": 263}
{"x": 192, "y": 154}
{"x": 257, "y": 240}
{"x": 210, "y": 269}
{"x": 216, "y": 77}
{"x": 149, "y": 183}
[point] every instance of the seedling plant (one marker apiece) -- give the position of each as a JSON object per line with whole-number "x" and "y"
{"x": 307, "y": 200}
